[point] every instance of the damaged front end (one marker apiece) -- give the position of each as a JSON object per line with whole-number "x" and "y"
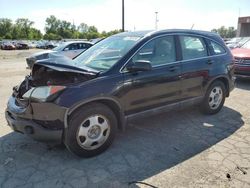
{"x": 32, "y": 109}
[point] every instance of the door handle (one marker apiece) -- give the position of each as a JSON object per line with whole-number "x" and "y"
{"x": 210, "y": 62}
{"x": 173, "y": 68}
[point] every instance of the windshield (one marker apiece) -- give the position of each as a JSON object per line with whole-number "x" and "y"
{"x": 103, "y": 55}
{"x": 246, "y": 45}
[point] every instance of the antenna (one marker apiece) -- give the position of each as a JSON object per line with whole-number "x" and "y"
{"x": 192, "y": 27}
{"x": 156, "y": 20}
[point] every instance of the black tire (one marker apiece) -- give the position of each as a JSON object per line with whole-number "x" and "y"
{"x": 205, "y": 107}
{"x": 76, "y": 120}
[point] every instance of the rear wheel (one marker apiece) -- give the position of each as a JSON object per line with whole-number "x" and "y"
{"x": 214, "y": 98}
{"x": 91, "y": 130}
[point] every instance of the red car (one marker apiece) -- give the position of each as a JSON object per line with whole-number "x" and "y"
{"x": 242, "y": 60}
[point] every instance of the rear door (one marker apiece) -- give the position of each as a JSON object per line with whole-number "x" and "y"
{"x": 158, "y": 87}
{"x": 195, "y": 65}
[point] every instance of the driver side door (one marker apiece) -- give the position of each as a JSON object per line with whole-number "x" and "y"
{"x": 157, "y": 87}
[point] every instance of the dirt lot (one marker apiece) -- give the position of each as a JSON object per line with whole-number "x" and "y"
{"x": 175, "y": 149}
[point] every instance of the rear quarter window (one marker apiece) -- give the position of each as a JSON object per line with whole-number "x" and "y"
{"x": 216, "y": 48}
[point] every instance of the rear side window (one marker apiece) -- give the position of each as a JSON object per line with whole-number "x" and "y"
{"x": 216, "y": 48}
{"x": 82, "y": 45}
{"x": 192, "y": 47}
{"x": 71, "y": 47}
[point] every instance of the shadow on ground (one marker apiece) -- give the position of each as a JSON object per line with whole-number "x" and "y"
{"x": 148, "y": 147}
{"x": 243, "y": 83}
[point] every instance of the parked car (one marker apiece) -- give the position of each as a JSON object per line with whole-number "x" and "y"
{"x": 8, "y": 46}
{"x": 21, "y": 46}
{"x": 1, "y": 44}
{"x": 32, "y": 44}
{"x": 233, "y": 42}
{"x": 84, "y": 101}
{"x": 237, "y": 42}
{"x": 69, "y": 49}
{"x": 242, "y": 60}
{"x": 49, "y": 45}
{"x": 40, "y": 45}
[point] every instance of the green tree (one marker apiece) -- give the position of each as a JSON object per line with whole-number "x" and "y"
{"x": 224, "y": 32}
{"x": 52, "y": 36}
{"x": 52, "y": 24}
{"x": 15, "y": 32}
{"x": 64, "y": 29}
{"x": 82, "y": 35}
{"x": 83, "y": 28}
{"x": 231, "y": 32}
{"x": 113, "y": 32}
{"x": 92, "y": 33}
{"x": 56, "y": 27}
{"x": 5, "y": 27}
{"x": 92, "y": 29}
{"x": 35, "y": 34}
{"x": 23, "y": 26}
{"x": 8, "y": 36}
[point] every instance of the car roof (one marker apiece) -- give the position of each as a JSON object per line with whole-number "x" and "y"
{"x": 72, "y": 42}
{"x": 134, "y": 33}
{"x": 168, "y": 31}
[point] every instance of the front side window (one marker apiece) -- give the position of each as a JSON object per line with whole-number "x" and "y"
{"x": 159, "y": 51}
{"x": 103, "y": 55}
{"x": 192, "y": 47}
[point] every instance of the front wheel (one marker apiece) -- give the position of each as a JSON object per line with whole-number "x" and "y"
{"x": 91, "y": 130}
{"x": 214, "y": 98}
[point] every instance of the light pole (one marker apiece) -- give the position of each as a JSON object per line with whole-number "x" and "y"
{"x": 156, "y": 20}
{"x": 123, "y": 28}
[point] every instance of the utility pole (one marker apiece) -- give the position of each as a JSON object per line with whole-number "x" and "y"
{"x": 156, "y": 20}
{"x": 123, "y": 28}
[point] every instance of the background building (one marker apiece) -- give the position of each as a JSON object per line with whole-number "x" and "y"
{"x": 243, "y": 29}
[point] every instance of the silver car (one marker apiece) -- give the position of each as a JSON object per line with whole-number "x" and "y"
{"x": 69, "y": 49}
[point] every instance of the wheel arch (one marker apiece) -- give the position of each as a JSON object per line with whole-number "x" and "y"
{"x": 224, "y": 80}
{"x": 109, "y": 102}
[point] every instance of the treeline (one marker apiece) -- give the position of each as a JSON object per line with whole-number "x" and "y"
{"x": 55, "y": 29}
{"x": 21, "y": 29}
{"x": 224, "y": 32}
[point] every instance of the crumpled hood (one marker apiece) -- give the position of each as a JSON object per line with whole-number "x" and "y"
{"x": 241, "y": 53}
{"x": 63, "y": 63}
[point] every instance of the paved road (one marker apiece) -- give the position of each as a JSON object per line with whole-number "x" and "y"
{"x": 174, "y": 149}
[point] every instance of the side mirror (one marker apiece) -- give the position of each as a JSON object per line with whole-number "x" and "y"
{"x": 66, "y": 49}
{"x": 140, "y": 65}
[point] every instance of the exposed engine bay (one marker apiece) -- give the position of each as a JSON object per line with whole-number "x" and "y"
{"x": 43, "y": 75}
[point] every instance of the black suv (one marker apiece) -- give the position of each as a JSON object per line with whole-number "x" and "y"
{"x": 82, "y": 102}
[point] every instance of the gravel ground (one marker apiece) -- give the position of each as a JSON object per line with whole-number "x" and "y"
{"x": 175, "y": 149}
